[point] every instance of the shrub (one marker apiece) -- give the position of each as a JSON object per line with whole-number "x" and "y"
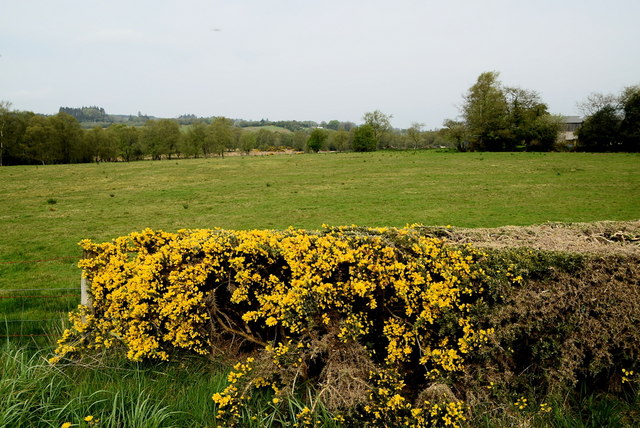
{"x": 388, "y": 306}
{"x": 388, "y": 326}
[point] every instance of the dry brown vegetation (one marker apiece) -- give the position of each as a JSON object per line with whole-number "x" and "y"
{"x": 603, "y": 238}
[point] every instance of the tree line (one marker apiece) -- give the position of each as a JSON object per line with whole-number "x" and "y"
{"x": 493, "y": 117}
{"x": 612, "y": 123}
{"x": 29, "y": 138}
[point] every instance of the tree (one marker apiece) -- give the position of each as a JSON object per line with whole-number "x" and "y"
{"x": 380, "y": 124}
{"x": 41, "y": 141}
{"x": 299, "y": 140}
{"x": 286, "y": 139}
{"x": 193, "y": 140}
{"x": 595, "y": 102}
{"x": 600, "y": 132}
{"x": 161, "y": 137}
{"x": 612, "y": 122}
{"x": 485, "y": 113}
{"x": 339, "y": 141}
{"x": 152, "y": 141}
{"x": 68, "y": 136}
{"x": 14, "y": 126}
{"x": 456, "y": 132}
{"x": 101, "y": 144}
{"x": 169, "y": 132}
{"x": 415, "y": 134}
{"x": 630, "y": 125}
{"x": 5, "y": 109}
{"x": 221, "y": 135}
{"x": 266, "y": 139}
{"x": 364, "y": 138}
{"x": 543, "y": 133}
{"x": 333, "y": 124}
{"x": 247, "y": 141}
{"x": 127, "y": 140}
{"x": 316, "y": 140}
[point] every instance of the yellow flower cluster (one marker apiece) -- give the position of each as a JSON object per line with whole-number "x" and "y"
{"x": 388, "y": 407}
{"x": 393, "y": 291}
{"x": 629, "y": 376}
{"x": 521, "y": 403}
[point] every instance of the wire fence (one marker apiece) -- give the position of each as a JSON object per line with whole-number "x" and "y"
{"x": 32, "y": 313}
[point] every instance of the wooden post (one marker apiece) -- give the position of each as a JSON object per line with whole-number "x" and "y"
{"x": 85, "y": 284}
{"x": 85, "y": 298}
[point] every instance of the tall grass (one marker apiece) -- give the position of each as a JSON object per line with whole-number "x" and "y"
{"x": 117, "y": 393}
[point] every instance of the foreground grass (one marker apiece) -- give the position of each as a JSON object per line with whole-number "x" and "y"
{"x": 45, "y": 211}
{"x": 118, "y": 393}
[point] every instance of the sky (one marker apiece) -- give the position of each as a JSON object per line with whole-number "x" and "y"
{"x": 310, "y": 60}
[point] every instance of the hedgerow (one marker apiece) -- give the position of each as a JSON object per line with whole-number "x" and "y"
{"x": 388, "y": 326}
{"x": 306, "y": 303}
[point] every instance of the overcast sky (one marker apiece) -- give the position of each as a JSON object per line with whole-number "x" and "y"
{"x": 310, "y": 60}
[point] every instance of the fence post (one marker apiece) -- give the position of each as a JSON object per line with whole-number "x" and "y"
{"x": 85, "y": 284}
{"x": 84, "y": 291}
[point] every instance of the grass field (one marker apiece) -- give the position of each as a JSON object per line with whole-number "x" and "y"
{"x": 45, "y": 211}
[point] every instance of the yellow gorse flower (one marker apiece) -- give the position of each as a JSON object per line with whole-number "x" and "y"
{"x": 156, "y": 294}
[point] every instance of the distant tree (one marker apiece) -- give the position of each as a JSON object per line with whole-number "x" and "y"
{"x": 600, "y": 132}
{"x": 237, "y": 133}
{"x": 524, "y": 108}
{"x": 339, "y": 141}
{"x": 41, "y": 141}
{"x": 364, "y": 139}
{"x": 221, "y": 134}
{"x": 152, "y": 141}
{"x": 595, "y": 102}
{"x": 67, "y": 135}
{"x": 170, "y": 132}
{"x": 266, "y": 139}
{"x": 161, "y": 137}
{"x": 415, "y": 134}
{"x": 485, "y": 113}
{"x": 193, "y": 140}
{"x": 247, "y": 141}
{"x": 333, "y": 124}
{"x": 380, "y": 124}
{"x": 346, "y": 126}
{"x": 630, "y": 125}
{"x": 101, "y": 144}
{"x": 543, "y": 133}
{"x": 5, "y": 109}
{"x": 456, "y": 132}
{"x": 15, "y": 150}
{"x": 127, "y": 140}
{"x": 316, "y": 140}
{"x": 286, "y": 139}
{"x": 299, "y": 140}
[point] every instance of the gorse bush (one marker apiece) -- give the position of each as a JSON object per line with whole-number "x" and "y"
{"x": 353, "y": 326}
{"x": 386, "y": 306}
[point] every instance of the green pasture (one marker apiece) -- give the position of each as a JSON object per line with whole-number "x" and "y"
{"x": 46, "y": 210}
{"x": 272, "y": 128}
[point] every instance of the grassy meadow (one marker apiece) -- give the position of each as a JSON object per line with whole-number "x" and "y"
{"x": 46, "y": 210}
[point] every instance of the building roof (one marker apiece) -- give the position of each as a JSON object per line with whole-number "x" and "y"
{"x": 572, "y": 119}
